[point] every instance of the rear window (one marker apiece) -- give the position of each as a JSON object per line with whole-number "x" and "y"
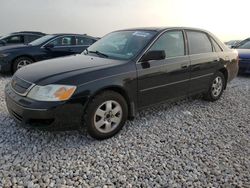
{"x": 84, "y": 41}
{"x": 198, "y": 42}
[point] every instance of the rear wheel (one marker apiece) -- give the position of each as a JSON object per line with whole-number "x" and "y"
{"x": 216, "y": 88}
{"x": 106, "y": 115}
{"x": 21, "y": 62}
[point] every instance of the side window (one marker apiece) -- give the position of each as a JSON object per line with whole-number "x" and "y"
{"x": 84, "y": 41}
{"x": 30, "y": 38}
{"x": 216, "y": 46}
{"x": 63, "y": 41}
{"x": 172, "y": 43}
{"x": 198, "y": 42}
{"x": 15, "y": 39}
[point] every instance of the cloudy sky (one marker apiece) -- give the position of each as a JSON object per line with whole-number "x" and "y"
{"x": 225, "y": 18}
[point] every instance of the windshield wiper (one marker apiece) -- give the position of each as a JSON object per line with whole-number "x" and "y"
{"x": 98, "y": 53}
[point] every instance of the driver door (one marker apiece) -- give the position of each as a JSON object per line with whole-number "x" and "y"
{"x": 59, "y": 47}
{"x": 160, "y": 80}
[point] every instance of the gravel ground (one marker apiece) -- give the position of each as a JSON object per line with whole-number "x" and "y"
{"x": 187, "y": 143}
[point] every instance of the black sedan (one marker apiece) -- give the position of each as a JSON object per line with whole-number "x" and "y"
{"x": 47, "y": 47}
{"x": 22, "y": 37}
{"x": 121, "y": 73}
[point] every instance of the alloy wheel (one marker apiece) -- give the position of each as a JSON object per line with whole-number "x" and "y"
{"x": 108, "y": 116}
{"x": 217, "y": 86}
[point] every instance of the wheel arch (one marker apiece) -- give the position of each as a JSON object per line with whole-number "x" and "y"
{"x": 123, "y": 93}
{"x": 20, "y": 56}
{"x": 225, "y": 73}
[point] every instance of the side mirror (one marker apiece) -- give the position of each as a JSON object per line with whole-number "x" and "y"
{"x": 153, "y": 55}
{"x": 49, "y": 46}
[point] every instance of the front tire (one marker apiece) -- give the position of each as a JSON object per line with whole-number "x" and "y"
{"x": 106, "y": 115}
{"x": 21, "y": 62}
{"x": 216, "y": 87}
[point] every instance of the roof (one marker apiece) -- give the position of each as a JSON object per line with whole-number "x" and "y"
{"x": 61, "y": 34}
{"x": 29, "y": 32}
{"x": 158, "y": 29}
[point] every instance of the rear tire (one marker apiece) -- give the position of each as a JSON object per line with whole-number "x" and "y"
{"x": 106, "y": 115}
{"x": 21, "y": 62}
{"x": 216, "y": 87}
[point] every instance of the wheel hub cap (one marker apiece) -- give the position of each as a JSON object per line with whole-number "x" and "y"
{"x": 108, "y": 116}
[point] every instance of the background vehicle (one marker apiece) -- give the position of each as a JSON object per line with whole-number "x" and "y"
{"x": 232, "y": 43}
{"x": 22, "y": 37}
{"x": 47, "y": 47}
{"x": 121, "y": 73}
{"x": 243, "y": 49}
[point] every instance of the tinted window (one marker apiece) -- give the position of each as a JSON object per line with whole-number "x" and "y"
{"x": 245, "y": 45}
{"x": 30, "y": 38}
{"x": 216, "y": 46}
{"x": 198, "y": 42}
{"x": 84, "y": 41}
{"x": 14, "y": 39}
{"x": 172, "y": 43}
{"x": 63, "y": 41}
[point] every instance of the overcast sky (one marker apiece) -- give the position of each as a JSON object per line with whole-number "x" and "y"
{"x": 225, "y": 18}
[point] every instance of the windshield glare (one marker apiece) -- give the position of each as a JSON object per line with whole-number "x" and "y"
{"x": 41, "y": 40}
{"x": 122, "y": 44}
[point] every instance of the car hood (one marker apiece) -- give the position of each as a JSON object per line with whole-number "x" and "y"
{"x": 244, "y": 53}
{"x": 56, "y": 70}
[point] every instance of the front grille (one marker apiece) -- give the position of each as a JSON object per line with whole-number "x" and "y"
{"x": 20, "y": 86}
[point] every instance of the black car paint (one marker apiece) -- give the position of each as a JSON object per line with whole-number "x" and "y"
{"x": 141, "y": 83}
{"x": 39, "y": 52}
{"x": 25, "y": 35}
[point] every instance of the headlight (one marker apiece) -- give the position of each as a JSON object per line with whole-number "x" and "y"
{"x": 3, "y": 55}
{"x": 51, "y": 92}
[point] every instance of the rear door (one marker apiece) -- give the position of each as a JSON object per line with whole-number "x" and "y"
{"x": 160, "y": 80}
{"x": 203, "y": 60}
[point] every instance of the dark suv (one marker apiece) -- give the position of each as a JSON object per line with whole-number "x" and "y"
{"x": 47, "y": 47}
{"x": 121, "y": 73}
{"x": 22, "y": 37}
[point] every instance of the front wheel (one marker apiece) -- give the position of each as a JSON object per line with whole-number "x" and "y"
{"x": 106, "y": 115}
{"x": 21, "y": 62}
{"x": 216, "y": 87}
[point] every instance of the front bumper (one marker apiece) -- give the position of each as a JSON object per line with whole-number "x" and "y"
{"x": 43, "y": 115}
{"x": 244, "y": 66}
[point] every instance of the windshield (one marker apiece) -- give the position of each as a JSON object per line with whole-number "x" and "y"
{"x": 41, "y": 40}
{"x": 121, "y": 44}
{"x": 244, "y": 45}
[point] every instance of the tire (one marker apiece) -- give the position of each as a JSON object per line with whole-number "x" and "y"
{"x": 21, "y": 62}
{"x": 106, "y": 115}
{"x": 216, "y": 87}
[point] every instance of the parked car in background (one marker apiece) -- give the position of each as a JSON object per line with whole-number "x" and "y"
{"x": 123, "y": 72}
{"x": 232, "y": 43}
{"x": 23, "y": 37}
{"x": 47, "y": 47}
{"x": 243, "y": 49}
